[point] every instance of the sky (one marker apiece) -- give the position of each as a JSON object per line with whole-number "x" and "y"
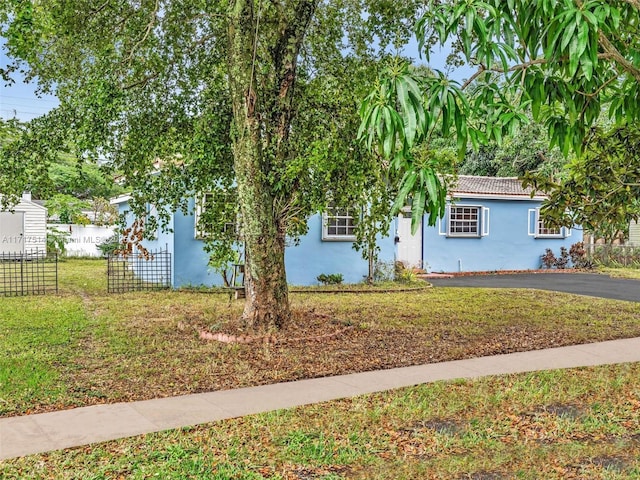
{"x": 19, "y": 100}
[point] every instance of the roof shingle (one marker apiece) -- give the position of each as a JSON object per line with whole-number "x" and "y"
{"x": 498, "y": 186}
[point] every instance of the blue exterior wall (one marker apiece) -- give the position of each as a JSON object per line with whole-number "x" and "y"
{"x": 191, "y": 267}
{"x": 508, "y": 245}
{"x": 304, "y": 261}
{"x": 164, "y": 240}
{"x": 314, "y": 256}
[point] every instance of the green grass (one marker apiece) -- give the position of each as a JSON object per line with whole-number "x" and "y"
{"x": 38, "y": 338}
{"x": 85, "y": 346}
{"x": 579, "y": 423}
{"x": 631, "y": 273}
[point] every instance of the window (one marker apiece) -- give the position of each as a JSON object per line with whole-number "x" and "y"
{"x": 339, "y": 224}
{"x": 203, "y": 230}
{"x": 201, "y": 206}
{"x": 464, "y": 221}
{"x": 545, "y": 231}
{"x": 541, "y": 230}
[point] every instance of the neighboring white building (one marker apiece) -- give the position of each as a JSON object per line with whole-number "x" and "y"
{"x": 83, "y": 240}
{"x": 23, "y": 229}
{"x": 634, "y": 233}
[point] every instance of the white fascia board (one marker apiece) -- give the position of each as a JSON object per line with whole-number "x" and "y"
{"x": 489, "y": 196}
{"x": 120, "y": 199}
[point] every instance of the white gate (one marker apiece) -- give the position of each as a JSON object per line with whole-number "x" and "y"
{"x": 11, "y": 232}
{"x": 409, "y": 246}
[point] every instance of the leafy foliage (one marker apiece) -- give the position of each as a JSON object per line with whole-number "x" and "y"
{"x": 257, "y": 100}
{"x": 395, "y": 120}
{"x": 57, "y": 241}
{"x": 548, "y": 259}
{"x": 67, "y": 172}
{"x": 109, "y": 245}
{"x": 68, "y": 209}
{"x": 330, "y": 279}
{"x": 563, "y": 260}
{"x": 525, "y": 151}
{"x": 579, "y": 257}
{"x": 565, "y": 62}
{"x": 599, "y": 190}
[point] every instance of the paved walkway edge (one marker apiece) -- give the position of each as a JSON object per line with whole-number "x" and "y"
{"x": 31, "y": 434}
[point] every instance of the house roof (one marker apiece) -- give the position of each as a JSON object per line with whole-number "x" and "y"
{"x": 492, "y": 187}
{"x": 120, "y": 199}
{"x": 26, "y": 200}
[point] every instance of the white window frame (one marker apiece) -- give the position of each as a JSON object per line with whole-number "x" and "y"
{"x": 351, "y": 216}
{"x": 540, "y": 231}
{"x": 481, "y": 222}
{"x": 201, "y": 201}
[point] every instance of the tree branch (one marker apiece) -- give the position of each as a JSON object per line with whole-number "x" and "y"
{"x": 615, "y": 55}
{"x": 520, "y": 66}
{"x": 611, "y": 52}
{"x": 142, "y": 81}
{"x": 480, "y": 71}
{"x": 634, "y": 3}
{"x": 146, "y": 33}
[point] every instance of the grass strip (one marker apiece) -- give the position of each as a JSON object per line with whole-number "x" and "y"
{"x": 578, "y": 423}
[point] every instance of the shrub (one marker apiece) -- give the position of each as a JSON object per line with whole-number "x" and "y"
{"x": 563, "y": 260}
{"x": 548, "y": 259}
{"x": 408, "y": 276}
{"x": 109, "y": 245}
{"x": 330, "y": 279}
{"x": 384, "y": 272}
{"x": 579, "y": 257}
{"x": 57, "y": 241}
{"x": 404, "y": 274}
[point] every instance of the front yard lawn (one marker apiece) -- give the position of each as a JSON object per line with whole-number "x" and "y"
{"x": 84, "y": 346}
{"x": 569, "y": 424}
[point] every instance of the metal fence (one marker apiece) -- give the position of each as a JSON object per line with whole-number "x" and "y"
{"x": 138, "y": 271}
{"x": 614, "y": 255}
{"x": 29, "y": 273}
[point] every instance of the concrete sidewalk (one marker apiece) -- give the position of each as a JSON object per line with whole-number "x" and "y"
{"x": 81, "y": 426}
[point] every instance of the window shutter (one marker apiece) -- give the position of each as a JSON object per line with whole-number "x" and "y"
{"x": 532, "y": 222}
{"x": 443, "y": 222}
{"x": 485, "y": 221}
{"x": 196, "y": 218}
{"x": 567, "y": 232}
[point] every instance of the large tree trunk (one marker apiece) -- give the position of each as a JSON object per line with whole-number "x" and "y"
{"x": 266, "y": 303}
{"x": 264, "y": 41}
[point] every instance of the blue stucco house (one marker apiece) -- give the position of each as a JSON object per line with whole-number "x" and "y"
{"x": 490, "y": 224}
{"x": 325, "y": 249}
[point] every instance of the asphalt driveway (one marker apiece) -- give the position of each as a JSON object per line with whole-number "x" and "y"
{"x": 591, "y": 284}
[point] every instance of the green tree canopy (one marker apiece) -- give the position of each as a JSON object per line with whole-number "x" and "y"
{"x": 567, "y": 62}
{"x": 253, "y": 100}
{"x": 525, "y": 151}
{"x": 65, "y": 173}
{"x": 599, "y": 190}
